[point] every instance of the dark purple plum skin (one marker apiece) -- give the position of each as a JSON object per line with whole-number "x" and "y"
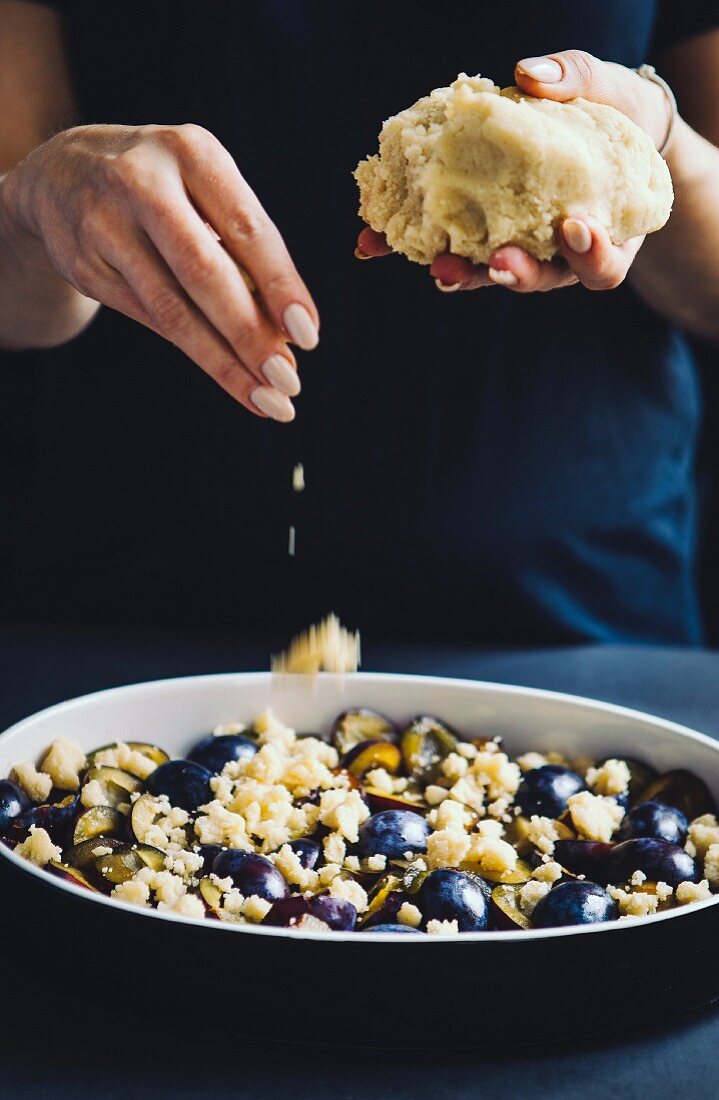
{"x": 214, "y": 752}
{"x": 209, "y": 853}
{"x": 404, "y": 928}
{"x": 659, "y": 860}
{"x": 391, "y": 833}
{"x": 545, "y": 790}
{"x": 447, "y": 894}
{"x": 389, "y": 909}
{"x": 13, "y": 803}
{"x": 584, "y": 857}
{"x": 339, "y": 915}
{"x": 251, "y": 874}
{"x": 574, "y": 903}
{"x": 657, "y": 820}
{"x": 287, "y": 911}
{"x": 307, "y": 851}
{"x": 185, "y": 783}
{"x": 57, "y": 820}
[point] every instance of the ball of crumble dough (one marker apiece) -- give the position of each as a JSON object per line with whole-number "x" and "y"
{"x": 472, "y": 167}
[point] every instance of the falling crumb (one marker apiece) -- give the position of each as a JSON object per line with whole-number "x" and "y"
{"x": 327, "y": 647}
{"x": 291, "y": 543}
{"x": 298, "y": 478}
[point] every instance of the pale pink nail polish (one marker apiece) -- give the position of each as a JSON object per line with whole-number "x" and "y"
{"x": 578, "y": 235}
{"x": 281, "y": 374}
{"x": 502, "y": 278}
{"x": 446, "y": 288}
{"x": 273, "y": 404}
{"x": 301, "y": 328}
{"x": 543, "y": 69}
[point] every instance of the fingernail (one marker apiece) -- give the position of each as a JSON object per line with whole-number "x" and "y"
{"x": 300, "y": 326}
{"x": 577, "y": 234}
{"x": 281, "y": 374}
{"x": 273, "y": 404}
{"x": 503, "y": 278}
{"x": 446, "y": 288}
{"x": 541, "y": 68}
{"x": 361, "y": 255}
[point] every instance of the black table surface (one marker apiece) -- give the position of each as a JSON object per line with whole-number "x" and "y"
{"x": 80, "y": 1050}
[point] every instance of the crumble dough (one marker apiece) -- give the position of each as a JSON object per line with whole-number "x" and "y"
{"x": 471, "y": 167}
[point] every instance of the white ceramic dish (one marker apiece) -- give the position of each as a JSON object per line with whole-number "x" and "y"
{"x": 175, "y": 713}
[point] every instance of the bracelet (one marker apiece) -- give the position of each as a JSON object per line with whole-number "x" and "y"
{"x": 650, "y": 73}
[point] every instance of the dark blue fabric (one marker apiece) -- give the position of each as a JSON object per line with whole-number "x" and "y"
{"x": 483, "y": 467}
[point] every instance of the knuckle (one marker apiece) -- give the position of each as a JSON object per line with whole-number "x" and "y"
{"x": 93, "y": 224}
{"x": 278, "y": 284}
{"x": 230, "y": 376}
{"x": 127, "y": 170}
{"x": 195, "y": 264}
{"x": 187, "y": 137}
{"x": 168, "y": 310}
{"x": 583, "y": 64}
{"x": 249, "y": 333}
{"x": 246, "y": 225}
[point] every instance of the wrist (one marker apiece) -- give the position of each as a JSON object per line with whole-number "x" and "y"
{"x": 654, "y": 110}
{"x": 16, "y": 237}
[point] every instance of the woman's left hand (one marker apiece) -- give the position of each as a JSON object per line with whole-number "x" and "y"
{"x": 588, "y": 255}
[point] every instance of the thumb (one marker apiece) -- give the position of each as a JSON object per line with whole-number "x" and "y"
{"x": 566, "y": 75}
{"x": 572, "y": 73}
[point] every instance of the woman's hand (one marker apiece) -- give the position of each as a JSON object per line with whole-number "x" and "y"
{"x": 158, "y": 223}
{"x": 587, "y": 253}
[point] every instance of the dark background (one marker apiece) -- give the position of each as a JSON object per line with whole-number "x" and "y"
{"x": 134, "y": 492}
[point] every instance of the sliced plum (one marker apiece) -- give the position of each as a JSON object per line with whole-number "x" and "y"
{"x": 360, "y": 724}
{"x": 379, "y": 800}
{"x": 372, "y": 754}
{"x": 117, "y": 785}
{"x": 70, "y": 874}
{"x": 522, "y": 872}
{"x": 505, "y": 912}
{"x": 683, "y": 790}
{"x": 99, "y": 821}
{"x": 152, "y": 752}
{"x": 425, "y": 742}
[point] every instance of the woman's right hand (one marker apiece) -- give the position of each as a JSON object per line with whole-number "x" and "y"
{"x": 158, "y": 223}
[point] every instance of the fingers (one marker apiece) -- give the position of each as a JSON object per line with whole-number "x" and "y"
{"x": 212, "y": 280}
{"x": 515, "y": 269}
{"x": 587, "y": 247}
{"x": 371, "y": 244}
{"x": 167, "y": 309}
{"x": 231, "y": 207}
{"x": 587, "y": 256}
{"x": 452, "y": 273}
